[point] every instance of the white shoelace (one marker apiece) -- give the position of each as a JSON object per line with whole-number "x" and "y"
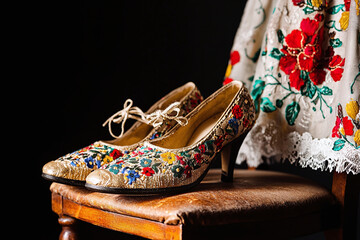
{"x": 155, "y": 119}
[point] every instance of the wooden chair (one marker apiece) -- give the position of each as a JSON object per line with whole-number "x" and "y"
{"x": 257, "y": 205}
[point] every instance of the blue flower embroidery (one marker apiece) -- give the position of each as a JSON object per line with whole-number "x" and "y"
{"x": 130, "y": 175}
{"x": 234, "y": 125}
{"x": 90, "y": 162}
{"x": 98, "y": 163}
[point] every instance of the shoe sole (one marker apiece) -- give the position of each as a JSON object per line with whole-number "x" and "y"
{"x": 63, "y": 180}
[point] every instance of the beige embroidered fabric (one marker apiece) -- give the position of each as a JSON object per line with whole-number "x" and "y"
{"x": 301, "y": 61}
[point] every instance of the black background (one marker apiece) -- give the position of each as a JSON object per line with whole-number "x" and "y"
{"x": 93, "y": 56}
{"x": 85, "y": 59}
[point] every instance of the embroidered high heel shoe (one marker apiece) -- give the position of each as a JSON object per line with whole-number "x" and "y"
{"x": 170, "y": 110}
{"x": 181, "y": 158}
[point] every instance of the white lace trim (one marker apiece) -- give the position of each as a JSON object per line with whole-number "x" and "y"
{"x": 264, "y": 142}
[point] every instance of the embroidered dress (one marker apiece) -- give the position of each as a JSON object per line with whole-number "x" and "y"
{"x": 301, "y": 61}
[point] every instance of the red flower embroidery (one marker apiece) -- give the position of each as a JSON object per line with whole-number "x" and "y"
{"x": 202, "y": 148}
{"x": 182, "y": 162}
{"x": 198, "y": 158}
{"x": 298, "y": 2}
{"x": 246, "y": 123}
{"x": 347, "y": 4}
{"x": 348, "y": 126}
{"x": 303, "y": 53}
{"x": 335, "y": 130}
{"x": 237, "y": 112}
{"x": 335, "y": 66}
{"x": 303, "y": 56}
{"x": 148, "y": 171}
{"x": 227, "y": 80}
{"x": 218, "y": 142}
{"x": 234, "y": 57}
{"x": 187, "y": 171}
{"x": 319, "y": 17}
{"x": 115, "y": 154}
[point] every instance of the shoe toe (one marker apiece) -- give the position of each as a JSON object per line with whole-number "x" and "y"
{"x": 64, "y": 169}
{"x": 103, "y": 178}
{"x": 56, "y": 169}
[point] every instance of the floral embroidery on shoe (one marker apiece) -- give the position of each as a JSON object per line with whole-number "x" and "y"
{"x": 193, "y": 100}
{"x": 115, "y": 168}
{"x": 149, "y": 161}
{"x": 93, "y": 156}
{"x": 147, "y": 171}
{"x": 168, "y": 157}
{"x": 130, "y": 175}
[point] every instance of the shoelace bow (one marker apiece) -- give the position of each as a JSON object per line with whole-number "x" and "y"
{"x": 155, "y": 118}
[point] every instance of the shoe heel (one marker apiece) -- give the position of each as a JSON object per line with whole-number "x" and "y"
{"x": 228, "y": 158}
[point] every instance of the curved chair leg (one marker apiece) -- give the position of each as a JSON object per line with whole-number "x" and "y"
{"x": 67, "y": 224}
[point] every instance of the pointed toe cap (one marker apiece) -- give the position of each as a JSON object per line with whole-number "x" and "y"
{"x": 56, "y": 169}
{"x": 103, "y": 178}
{"x": 64, "y": 169}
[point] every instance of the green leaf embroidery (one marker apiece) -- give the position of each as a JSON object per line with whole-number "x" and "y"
{"x": 229, "y": 130}
{"x": 280, "y": 36}
{"x": 338, "y": 144}
{"x": 304, "y": 75}
{"x": 132, "y": 160}
{"x": 209, "y": 145}
{"x": 335, "y": 42}
{"x": 258, "y": 89}
{"x": 326, "y": 91}
{"x": 308, "y": 10}
{"x": 275, "y": 53}
{"x": 266, "y": 105}
{"x": 335, "y": 9}
{"x": 332, "y": 24}
{"x": 308, "y": 89}
{"x": 255, "y": 57}
{"x": 279, "y": 103}
{"x": 291, "y": 112}
{"x": 185, "y": 154}
{"x": 155, "y": 167}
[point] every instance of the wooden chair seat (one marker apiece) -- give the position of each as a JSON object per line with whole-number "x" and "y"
{"x": 257, "y": 203}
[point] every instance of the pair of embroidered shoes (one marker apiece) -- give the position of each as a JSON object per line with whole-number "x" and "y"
{"x": 169, "y": 148}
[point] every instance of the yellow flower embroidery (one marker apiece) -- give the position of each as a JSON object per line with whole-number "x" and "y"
{"x": 107, "y": 159}
{"x": 316, "y": 3}
{"x": 352, "y": 109}
{"x": 344, "y": 20}
{"x": 168, "y": 157}
{"x": 228, "y": 70}
{"x": 357, "y": 137}
{"x": 342, "y": 131}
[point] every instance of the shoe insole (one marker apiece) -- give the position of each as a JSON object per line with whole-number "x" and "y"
{"x": 203, "y": 128}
